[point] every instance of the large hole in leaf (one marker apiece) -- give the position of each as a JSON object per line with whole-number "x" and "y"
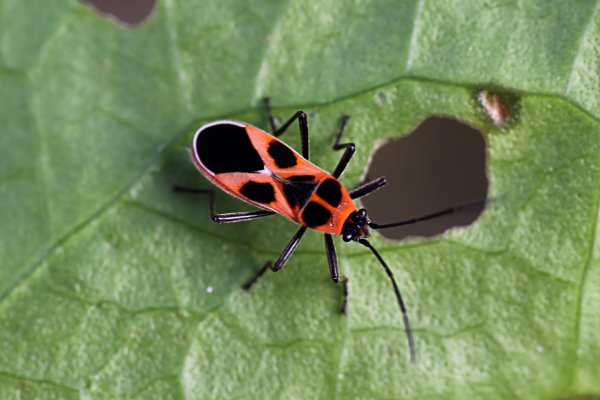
{"x": 441, "y": 164}
{"x": 129, "y": 13}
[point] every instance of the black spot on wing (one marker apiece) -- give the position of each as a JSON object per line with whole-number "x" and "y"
{"x": 282, "y": 155}
{"x": 298, "y": 189}
{"x": 226, "y": 147}
{"x": 260, "y": 192}
{"x": 330, "y": 190}
{"x": 315, "y": 215}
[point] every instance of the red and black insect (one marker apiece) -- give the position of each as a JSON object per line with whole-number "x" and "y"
{"x": 254, "y": 166}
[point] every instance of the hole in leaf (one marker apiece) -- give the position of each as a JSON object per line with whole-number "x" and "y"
{"x": 441, "y": 164}
{"x": 130, "y": 13}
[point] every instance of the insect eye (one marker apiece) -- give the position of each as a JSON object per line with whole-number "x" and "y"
{"x": 362, "y": 213}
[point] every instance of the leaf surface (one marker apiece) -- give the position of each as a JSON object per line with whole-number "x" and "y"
{"x": 113, "y": 286}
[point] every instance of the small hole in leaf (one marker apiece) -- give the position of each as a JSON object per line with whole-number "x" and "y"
{"x": 501, "y": 107}
{"x": 441, "y": 164}
{"x": 380, "y": 98}
{"x": 129, "y": 13}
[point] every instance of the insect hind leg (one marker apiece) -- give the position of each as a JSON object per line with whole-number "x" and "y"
{"x": 227, "y": 217}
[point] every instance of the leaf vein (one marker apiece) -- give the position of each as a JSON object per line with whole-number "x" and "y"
{"x": 173, "y": 45}
{"x": 585, "y": 270}
{"x": 416, "y": 28}
{"x": 585, "y": 32}
{"x": 271, "y": 46}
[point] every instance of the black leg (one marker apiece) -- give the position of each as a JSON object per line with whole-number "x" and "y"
{"x": 285, "y": 255}
{"x": 302, "y": 123}
{"x": 333, "y": 270}
{"x": 448, "y": 211}
{"x": 289, "y": 249}
{"x": 228, "y": 217}
{"x": 255, "y": 277}
{"x": 368, "y": 187}
{"x": 344, "y": 283}
{"x": 350, "y": 148}
{"x": 331, "y": 258}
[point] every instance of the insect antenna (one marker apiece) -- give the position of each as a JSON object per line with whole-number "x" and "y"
{"x": 474, "y": 206}
{"x": 388, "y": 271}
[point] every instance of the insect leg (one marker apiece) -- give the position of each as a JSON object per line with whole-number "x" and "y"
{"x": 285, "y": 255}
{"x": 255, "y": 277}
{"x": 331, "y": 258}
{"x": 368, "y": 187}
{"x": 350, "y": 148}
{"x": 289, "y": 249}
{"x": 227, "y": 217}
{"x": 302, "y": 123}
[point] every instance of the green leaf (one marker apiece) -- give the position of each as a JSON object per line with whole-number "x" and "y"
{"x": 113, "y": 286}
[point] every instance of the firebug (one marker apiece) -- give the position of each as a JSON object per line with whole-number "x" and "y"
{"x": 258, "y": 168}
